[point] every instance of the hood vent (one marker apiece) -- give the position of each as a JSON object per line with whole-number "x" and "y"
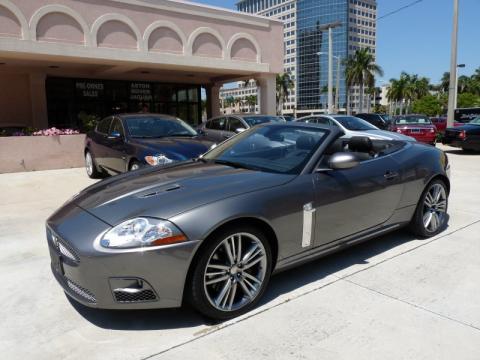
{"x": 169, "y": 188}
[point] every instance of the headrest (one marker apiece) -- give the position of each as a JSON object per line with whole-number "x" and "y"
{"x": 306, "y": 142}
{"x": 360, "y": 144}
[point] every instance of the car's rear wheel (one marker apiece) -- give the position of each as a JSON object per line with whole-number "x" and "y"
{"x": 431, "y": 214}
{"x": 231, "y": 273}
{"x": 91, "y": 166}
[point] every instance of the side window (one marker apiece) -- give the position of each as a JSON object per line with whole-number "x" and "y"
{"x": 104, "y": 125}
{"x": 326, "y": 121}
{"x": 323, "y": 121}
{"x": 234, "y": 124}
{"x": 218, "y": 124}
{"x": 117, "y": 127}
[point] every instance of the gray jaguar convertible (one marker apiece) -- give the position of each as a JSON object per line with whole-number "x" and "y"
{"x": 212, "y": 230}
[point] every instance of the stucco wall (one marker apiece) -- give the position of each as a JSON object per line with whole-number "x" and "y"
{"x": 15, "y": 99}
{"x": 124, "y": 24}
{"x": 28, "y": 153}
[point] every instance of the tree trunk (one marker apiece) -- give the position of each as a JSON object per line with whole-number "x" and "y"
{"x": 360, "y": 103}
{"x": 348, "y": 100}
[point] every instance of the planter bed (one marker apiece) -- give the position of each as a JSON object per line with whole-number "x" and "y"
{"x": 30, "y": 153}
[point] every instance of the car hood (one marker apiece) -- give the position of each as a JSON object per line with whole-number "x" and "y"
{"x": 381, "y": 135}
{"x": 176, "y": 148}
{"x": 165, "y": 192}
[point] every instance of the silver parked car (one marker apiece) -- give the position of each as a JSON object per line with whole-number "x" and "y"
{"x": 353, "y": 126}
{"x": 220, "y": 128}
{"x": 212, "y": 230}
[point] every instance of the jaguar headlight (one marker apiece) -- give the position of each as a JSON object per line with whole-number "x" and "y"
{"x": 158, "y": 159}
{"x": 142, "y": 232}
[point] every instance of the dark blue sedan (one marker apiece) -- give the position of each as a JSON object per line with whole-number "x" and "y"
{"x": 127, "y": 142}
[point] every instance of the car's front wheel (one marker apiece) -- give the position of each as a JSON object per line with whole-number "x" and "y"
{"x": 431, "y": 214}
{"x": 231, "y": 273}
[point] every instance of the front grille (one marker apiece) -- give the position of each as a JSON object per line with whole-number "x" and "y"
{"x": 136, "y": 296}
{"x": 81, "y": 291}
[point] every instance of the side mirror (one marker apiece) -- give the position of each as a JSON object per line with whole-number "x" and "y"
{"x": 115, "y": 135}
{"x": 239, "y": 130}
{"x": 343, "y": 161}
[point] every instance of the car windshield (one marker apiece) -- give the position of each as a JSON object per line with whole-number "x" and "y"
{"x": 413, "y": 119}
{"x": 255, "y": 120}
{"x": 475, "y": 121}
{"x": 157, "y": 127}
{"x": 354, "y": 123}
{"x": 283, "y": 149}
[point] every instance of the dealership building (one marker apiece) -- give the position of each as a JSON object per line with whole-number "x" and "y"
{"x": 63, "y": 59}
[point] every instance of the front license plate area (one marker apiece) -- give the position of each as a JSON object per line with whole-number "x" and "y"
{"x": 416, "y": 131}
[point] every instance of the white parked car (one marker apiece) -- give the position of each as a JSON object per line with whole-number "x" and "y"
{"x": 353, "y": 126}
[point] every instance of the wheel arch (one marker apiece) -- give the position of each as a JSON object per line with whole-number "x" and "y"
{"x": 256, "y": 222}
{"x": 442, "y": 177}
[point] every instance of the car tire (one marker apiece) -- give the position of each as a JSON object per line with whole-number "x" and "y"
{"x": 134, "y": 165}
{"x": 91, "y": 166}
{"x": 229, "y": 289}
{"x": 430, "y": 215}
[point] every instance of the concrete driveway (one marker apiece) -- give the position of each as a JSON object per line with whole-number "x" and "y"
{"x": 395, "y": 297}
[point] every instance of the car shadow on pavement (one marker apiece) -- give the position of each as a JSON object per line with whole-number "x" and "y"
{"x": 281, "y": 283}
{"x": 156, "y": 319}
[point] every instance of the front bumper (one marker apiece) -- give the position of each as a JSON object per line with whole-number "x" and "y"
{"x": 152, "y": 278}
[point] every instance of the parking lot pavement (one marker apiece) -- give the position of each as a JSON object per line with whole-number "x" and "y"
{"x": 395, "y": 297}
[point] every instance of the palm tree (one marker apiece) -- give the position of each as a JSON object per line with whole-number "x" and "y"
{"x": 361, "y": 70}
{"x": 284, "y": 85}
{"x": 229, "y": 101}
{"x": 251, "y": 102}
{"x": 445, "y": 82}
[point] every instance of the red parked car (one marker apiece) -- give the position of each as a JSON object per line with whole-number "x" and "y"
{"x": 419, "y": 127}
{"x": 441, "y": 124}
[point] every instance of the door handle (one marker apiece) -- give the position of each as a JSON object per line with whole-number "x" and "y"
{"x": 390, "y": 175}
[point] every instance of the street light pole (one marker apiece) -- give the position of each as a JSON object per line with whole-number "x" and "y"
{"x": 337, "y": 89}
{"x": 337, "y": 94}
{"x": 330, "y": 71}
{"x": 453, "y": 67}
{"x": 330, "y": 27}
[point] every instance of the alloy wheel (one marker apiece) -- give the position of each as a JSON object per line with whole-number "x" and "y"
{"x": 235, "y": 272}
{"x": 434, "y": 208}
{"x": 89, "y": 163}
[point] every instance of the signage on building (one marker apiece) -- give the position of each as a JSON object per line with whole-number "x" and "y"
{"x": 89, "y": 88}
{"x": 140, "y": 91}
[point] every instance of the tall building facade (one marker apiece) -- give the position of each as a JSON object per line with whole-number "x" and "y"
{"x": 306, "y": 45}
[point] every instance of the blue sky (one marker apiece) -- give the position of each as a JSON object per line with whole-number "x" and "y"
{"x": 417, "y": 40}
